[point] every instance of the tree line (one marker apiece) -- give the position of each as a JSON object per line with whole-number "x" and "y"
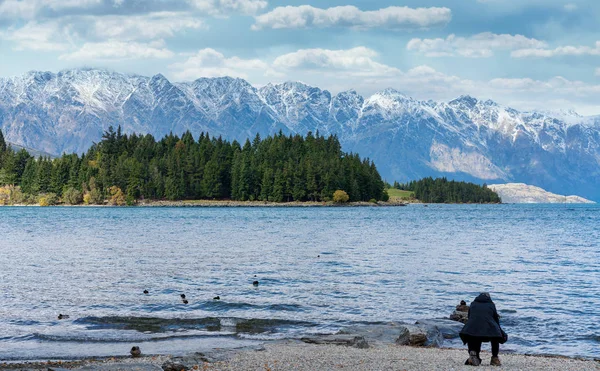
{"x": 125, "y": 168}
{"x": 441, "y": 190}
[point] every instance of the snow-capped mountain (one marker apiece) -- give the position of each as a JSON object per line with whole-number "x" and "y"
{"x": 466, "y": 138}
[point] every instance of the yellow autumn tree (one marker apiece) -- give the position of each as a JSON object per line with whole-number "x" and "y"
{"x": 340, "y": 197}
{"x": 117, "y": 197}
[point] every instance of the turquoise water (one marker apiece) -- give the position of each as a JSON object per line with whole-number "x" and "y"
{"x": 319, "y": 270}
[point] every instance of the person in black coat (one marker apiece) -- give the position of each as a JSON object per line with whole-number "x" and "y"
{"x": 483, "y": 325}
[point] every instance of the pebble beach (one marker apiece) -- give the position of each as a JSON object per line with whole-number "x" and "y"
{"x": 297, "y": 356}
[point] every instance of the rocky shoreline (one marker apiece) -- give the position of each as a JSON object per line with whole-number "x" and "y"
{"x": 229, "y": 203}
{"x": 417, "y": 346}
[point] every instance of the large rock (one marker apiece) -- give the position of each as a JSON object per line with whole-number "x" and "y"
{"x": 420, "y": 336}
{"x": 340, "y": 339}
{"x": 459, "y": 316}
{"x": 448, "y": 328}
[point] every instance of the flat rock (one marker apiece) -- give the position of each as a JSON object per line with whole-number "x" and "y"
{"x": 120, "y": 367}
{"x": 385, "y": 333}
{"x": 340, "y": 339}
{"x": 449, "y": 329}
{"x": 185, "y": 363}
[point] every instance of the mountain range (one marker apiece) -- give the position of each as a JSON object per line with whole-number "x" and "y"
{"x": 463, "y": 139}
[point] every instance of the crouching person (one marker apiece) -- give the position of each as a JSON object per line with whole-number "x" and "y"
{"x": 483, "y": 325}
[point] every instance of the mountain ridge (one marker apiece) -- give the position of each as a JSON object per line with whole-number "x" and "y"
{"x": 465, "y": 138}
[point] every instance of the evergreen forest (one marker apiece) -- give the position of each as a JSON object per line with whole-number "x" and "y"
{"x": 441, "y": 190}
{"x": 122, "y": 169}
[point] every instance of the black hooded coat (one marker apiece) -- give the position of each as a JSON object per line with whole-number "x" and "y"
{"x": 483, "y": 323}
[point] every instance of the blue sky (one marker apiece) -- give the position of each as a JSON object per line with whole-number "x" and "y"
{"x": 528, "y": 54}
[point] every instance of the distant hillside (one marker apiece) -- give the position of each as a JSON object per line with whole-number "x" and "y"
{"x": 519, "y": 193}
{"x": 33, "y": 152}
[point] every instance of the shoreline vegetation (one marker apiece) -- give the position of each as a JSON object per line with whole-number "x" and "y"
{"x": 232, "y": 203}
{"x": 276, "y": 171}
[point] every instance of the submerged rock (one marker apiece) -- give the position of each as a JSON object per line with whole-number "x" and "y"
{"x": 340, "y": 339}
{"x": 384, "y": 333}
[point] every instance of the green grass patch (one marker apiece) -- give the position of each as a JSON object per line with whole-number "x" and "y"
{"x": 397, "y": 194}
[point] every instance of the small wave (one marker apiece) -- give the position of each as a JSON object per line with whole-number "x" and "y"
{"x": 262, "y": 336}
{"x": 25, "y": 322}
{"x": 120, "y": 338}
{"x": 591, "y": 337}
{"x": 285, "y": 307}
{"x": 224, "y": 306}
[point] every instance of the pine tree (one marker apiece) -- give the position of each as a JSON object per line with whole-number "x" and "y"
{"x": 3, "y": 145}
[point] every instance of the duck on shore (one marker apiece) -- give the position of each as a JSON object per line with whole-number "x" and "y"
{"x": 462, "y": 307}
{"x": 135, "y": 352}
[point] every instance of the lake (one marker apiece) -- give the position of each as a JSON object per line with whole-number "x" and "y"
{"x": 319, "y": 269}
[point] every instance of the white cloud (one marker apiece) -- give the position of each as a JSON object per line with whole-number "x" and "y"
{"x": 560, "y": 51}
{"x": 394, "y": 17}
{"x": 148, "y": 26}
{"x": 224, "y": 7}
{"x": 118, "y": 50}
{"x": 358, "y": 61}
{"x": 359, "y": 68}
{"x": 556, "y": 87}
{"x": 211, "y": 63}
{"x": 571, "y": 7}
{"x": 477, "y": 46}
{"x": 60, "y": 34}
{"x": 38, "y": 36}
{"x": 28, "y": 9}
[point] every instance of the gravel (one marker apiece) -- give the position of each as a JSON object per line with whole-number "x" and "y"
{"x": 293, "y": 356}
{"x": 296, "y": 356}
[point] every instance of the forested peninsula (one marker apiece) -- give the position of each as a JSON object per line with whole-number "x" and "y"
{"x": 442, "y": 190}
{"x": 123, "y": 169}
